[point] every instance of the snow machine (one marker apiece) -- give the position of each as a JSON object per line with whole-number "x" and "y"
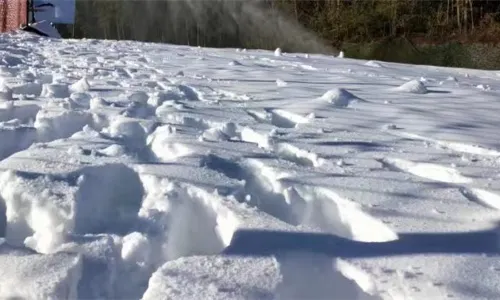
{"x": 42, "y": 28}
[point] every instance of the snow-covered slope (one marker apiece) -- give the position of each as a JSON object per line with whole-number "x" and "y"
{"x": 146, "y": 171}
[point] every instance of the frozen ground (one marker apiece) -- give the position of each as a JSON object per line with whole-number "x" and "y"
{"x": 145, "y": 171}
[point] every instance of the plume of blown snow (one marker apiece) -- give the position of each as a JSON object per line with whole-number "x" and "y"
{"x": 252, "y": 23}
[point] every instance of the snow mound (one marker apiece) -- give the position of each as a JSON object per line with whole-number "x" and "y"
{"x": 298, "y": 155}
{"x": 135, "y": 248}
{"x": 174, "y": 93}
{"x": 100, "y": 264}
{"x": 214, "y": 135}
{"x": 372, "y": 63}
{"x": 251, "y": 136}
{"x": 426, "y": 170}
{"x": 220, "y": 133}
{"x": 97, "y": 102}
{"x": 52, "y": 124}
{"x": 130, "y": 131}
{"x": 141, "y": 97}
{"x": 287, "y": 119}
{"x": 42, "y": 210}
{"x": 25, "y": 274}
{"x": 80, "y": 100}
{"x": 5, "y": 92}
{"x": 156, "y": 99}
{"x": 281, "y": 83}
{"x": 80, "y": 86}
{"x": 166, "y": 145}
{"x": 339, "y": 97}
{"x": 413, "y": 87}
{"x": 114, "y": 150}
{"x": 55, "y": 90}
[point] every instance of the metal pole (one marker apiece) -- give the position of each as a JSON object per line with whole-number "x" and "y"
{"x": 32, "y": 8}
{"x": 27, "y": 12}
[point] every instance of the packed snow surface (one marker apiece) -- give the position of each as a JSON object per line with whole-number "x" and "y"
{"x": 145, "y": 171}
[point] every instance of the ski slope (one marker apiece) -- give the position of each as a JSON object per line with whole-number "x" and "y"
{"x": 145, "y": 171}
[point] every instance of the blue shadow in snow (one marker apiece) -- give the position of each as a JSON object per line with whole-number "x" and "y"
{"x": 270, "y": 243}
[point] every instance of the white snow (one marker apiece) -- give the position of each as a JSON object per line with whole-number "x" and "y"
{"x": 153, "y": 171}
{"x": 413, "y": 86}
{"x": 5, "y": 92}
{"x": 55, "y": 90}
{"x": 80, "y": 86}
{"x": 29, "y": 275}
{"x": 339, "y": 97}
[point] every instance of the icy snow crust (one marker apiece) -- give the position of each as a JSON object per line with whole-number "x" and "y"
{"x": 146, "y": 171}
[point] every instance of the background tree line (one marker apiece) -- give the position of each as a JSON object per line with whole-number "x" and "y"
{"x": 294, "y": 25}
